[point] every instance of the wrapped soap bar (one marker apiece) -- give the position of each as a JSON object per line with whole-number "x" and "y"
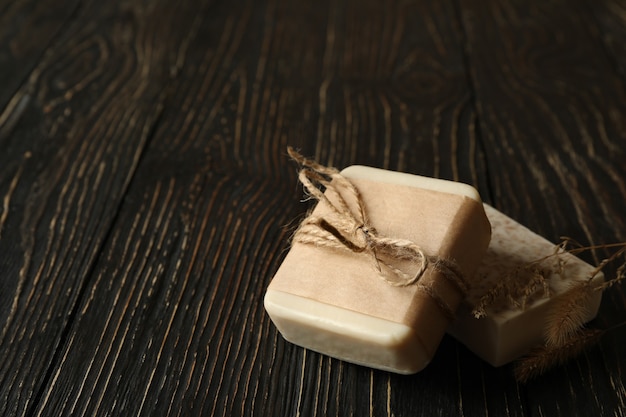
{"x": 515, "y": 315}
{"x": 380, "y": 293}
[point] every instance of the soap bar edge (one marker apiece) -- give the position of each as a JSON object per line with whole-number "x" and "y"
{"x": 406, "y": 339}
{"x": 428, "y": 183}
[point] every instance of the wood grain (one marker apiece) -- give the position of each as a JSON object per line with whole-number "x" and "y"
{"x": 190, "y": 305}
{"x": 564, "y": 158}
{"x": 73, "y": 143}
{"x": 27, "y": 29}
{"x": 146, "y": 198}
{"x": 611, "y": 18}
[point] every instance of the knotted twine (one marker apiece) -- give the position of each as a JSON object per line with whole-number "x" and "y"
{"x": 351, "y": 230}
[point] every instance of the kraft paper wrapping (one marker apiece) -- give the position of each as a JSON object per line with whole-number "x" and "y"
{"x": 445, "y": 225}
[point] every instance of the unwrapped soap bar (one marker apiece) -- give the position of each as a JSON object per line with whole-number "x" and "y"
{"x": 336, "y": 303}
{"x": 509, "y": 331}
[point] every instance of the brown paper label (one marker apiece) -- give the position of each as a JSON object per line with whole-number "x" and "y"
{"x": 445, "y": 225}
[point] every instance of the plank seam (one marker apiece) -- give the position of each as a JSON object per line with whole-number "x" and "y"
{"x": 55, "y": 362}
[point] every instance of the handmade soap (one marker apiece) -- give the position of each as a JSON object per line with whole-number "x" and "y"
{"x": 509, "y": 329}
{"x": 338, "y": 302}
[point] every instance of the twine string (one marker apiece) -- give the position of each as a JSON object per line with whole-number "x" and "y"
{"x": 351, "y": 230}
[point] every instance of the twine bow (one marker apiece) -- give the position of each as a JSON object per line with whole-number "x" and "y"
{"x": 351, "y": 230}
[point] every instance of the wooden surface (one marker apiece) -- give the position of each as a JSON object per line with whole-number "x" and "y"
{"x": 145, "y": 189}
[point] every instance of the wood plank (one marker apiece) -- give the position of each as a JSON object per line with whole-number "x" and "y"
{"x": 551, "y": 115}
{"x": 70, "y": 148}
{"x": 27, "y": 28}
{"x": 611, "y": 18}
{"x": 173, "y": 323}
{"x": 154, "y": 306}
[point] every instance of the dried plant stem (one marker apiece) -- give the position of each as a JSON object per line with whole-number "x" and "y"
{"x": 486, "y": 300}
{"x": 565, "y": 336}
{"x": 571, "y": 310}
{"x": 545, "y": 357}
{"x": 517, "y": 287}
{"x": 621, "y": 270}
{"x": 569, "y": 313}
{"x": 523, "y": 282}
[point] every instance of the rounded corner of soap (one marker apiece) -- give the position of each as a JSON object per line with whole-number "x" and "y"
{"x": 471, "y": 192}
{"x": 418, "y": 366}
{"x": 411, "y": 349}
{"x": 347, "y": 171}
{"x": 268, "y": 300}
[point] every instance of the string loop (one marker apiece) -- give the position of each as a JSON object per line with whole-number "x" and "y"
{"x": 351, "y": 230}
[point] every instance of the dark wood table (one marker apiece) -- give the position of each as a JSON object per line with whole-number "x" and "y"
{"x": 145, "y": 189}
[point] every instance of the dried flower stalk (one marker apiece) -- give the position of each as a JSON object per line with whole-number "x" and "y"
{"x": 568, "y": 314}
{"x": 571, "y": 309}
{"x": 519, "y": 286}
{"x": 524, "y": 282}
{"x": 543, "y": 358}
{"x": 565, "y": 335}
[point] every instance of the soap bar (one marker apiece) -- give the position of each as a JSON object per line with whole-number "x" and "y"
{"x": 335, "y": 302}
{"x": 510, "y": 329}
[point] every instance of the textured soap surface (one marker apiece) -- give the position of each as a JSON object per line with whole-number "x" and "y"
{"x": 336, "y": 304}
{"x": 509, "y": 331}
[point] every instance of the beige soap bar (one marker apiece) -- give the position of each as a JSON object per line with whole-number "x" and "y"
{"x": 335, "y": 303}
{"x": 509, "y": 331}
